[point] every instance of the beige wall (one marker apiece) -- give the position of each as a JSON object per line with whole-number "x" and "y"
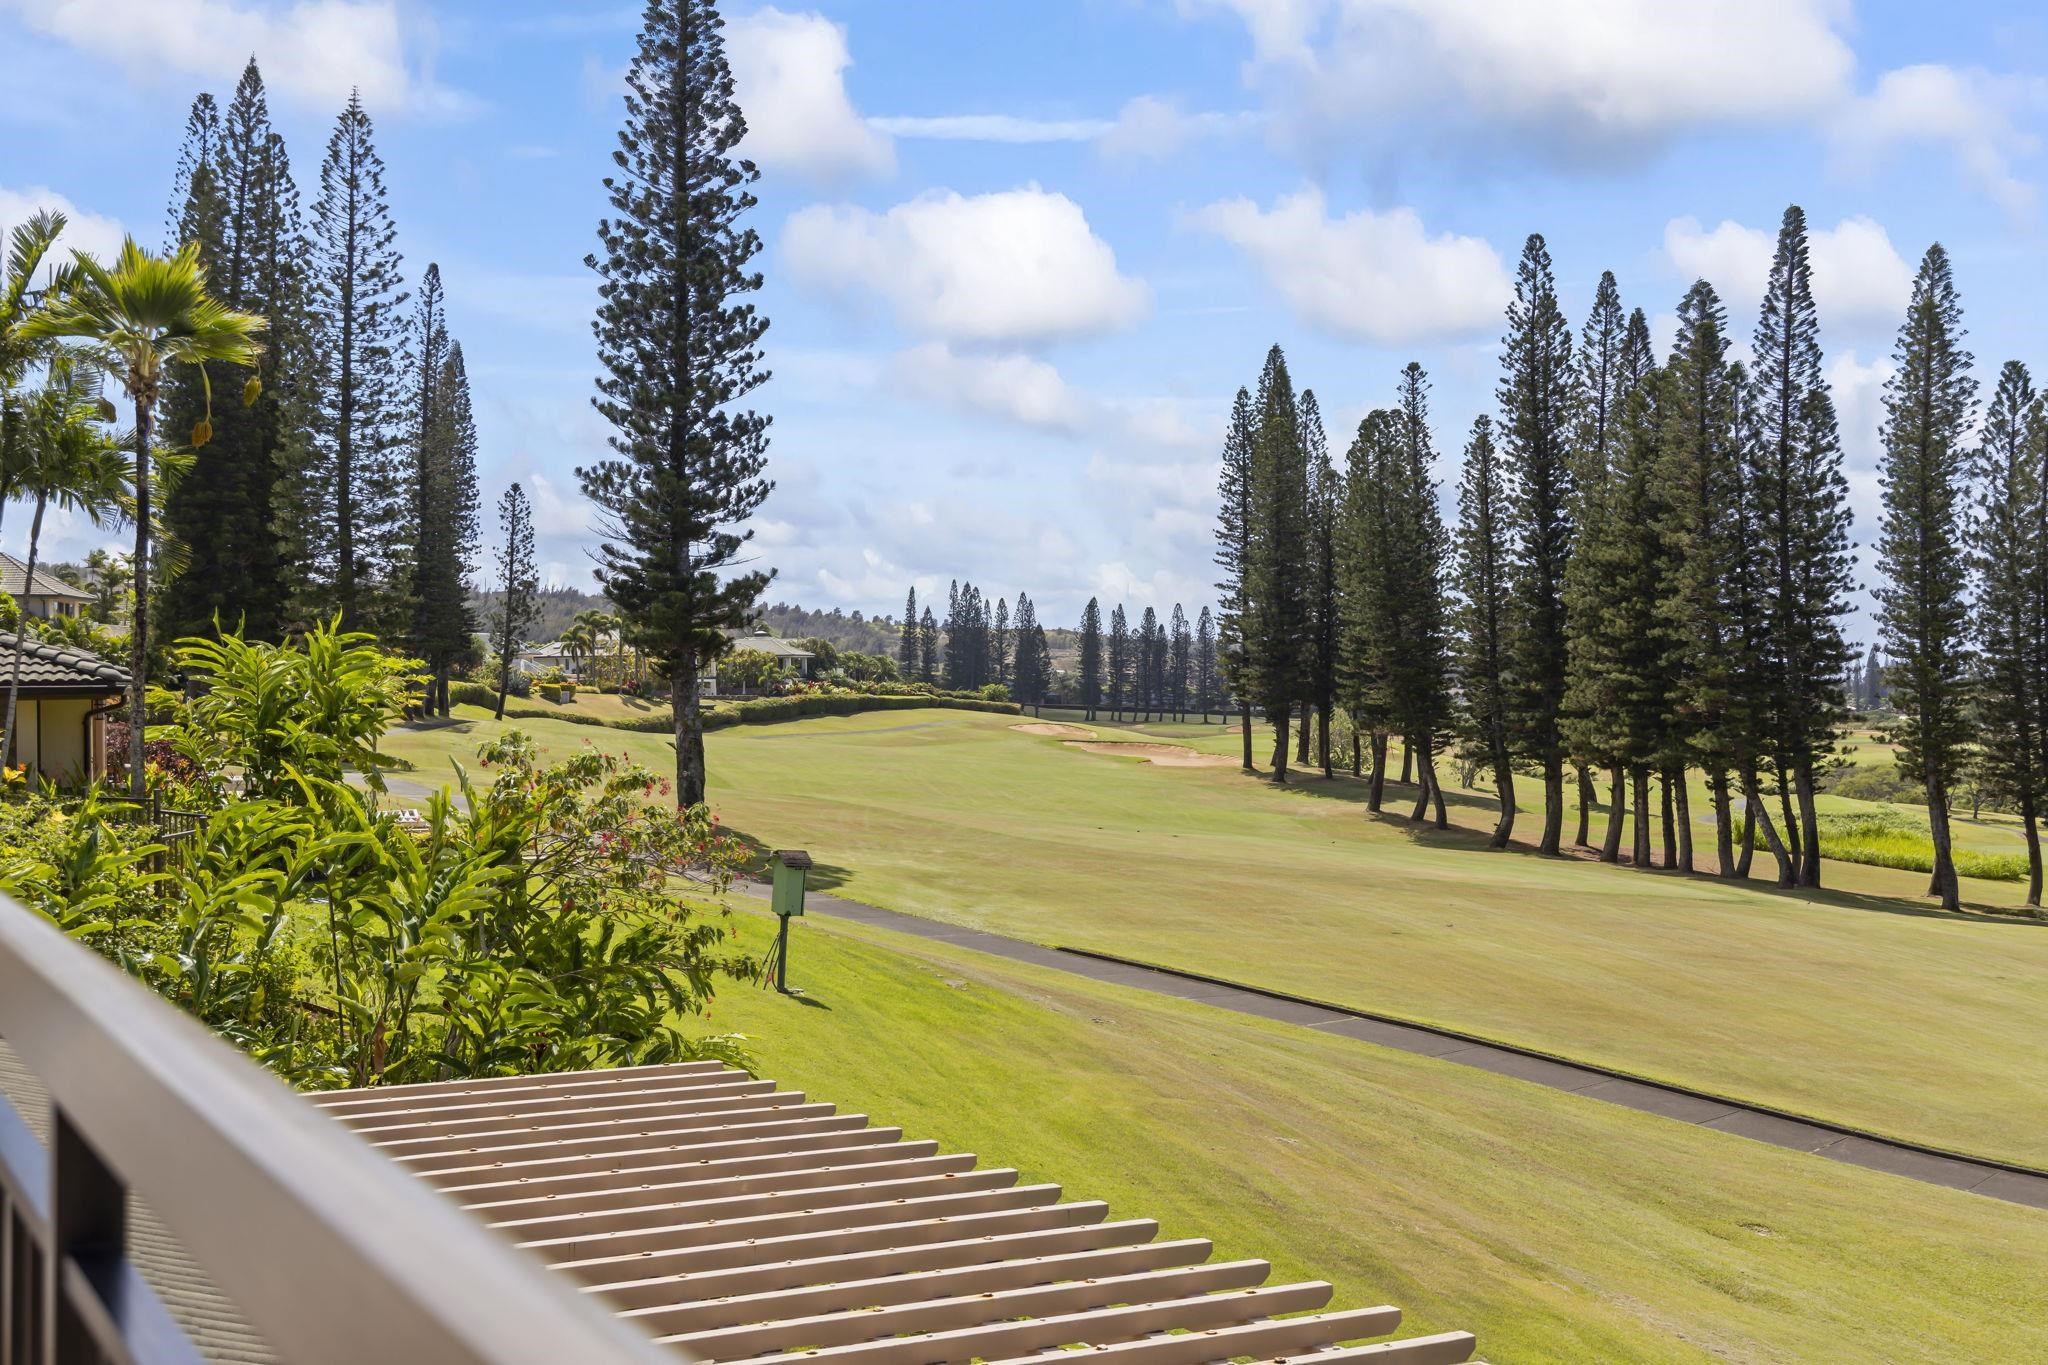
{"x": 52, "y": 739}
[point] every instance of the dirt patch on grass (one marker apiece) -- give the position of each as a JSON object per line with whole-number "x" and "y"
{"x": 1054, "y": 728}
{"x": 1165, "y": 755}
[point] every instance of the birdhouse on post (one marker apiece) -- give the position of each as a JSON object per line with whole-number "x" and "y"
{"x": 788, "y": 866}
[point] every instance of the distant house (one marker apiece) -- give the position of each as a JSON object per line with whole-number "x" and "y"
{"x": 60, "y": 723}
{"x": 796, "y": 659}
{"x": 46, "y": 598}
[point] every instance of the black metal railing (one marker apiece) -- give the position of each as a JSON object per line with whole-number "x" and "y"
{"x": 323, "y": 1245}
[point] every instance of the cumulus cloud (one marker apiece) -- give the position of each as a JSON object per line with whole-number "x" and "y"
{"x": 1366, "y": 276}
{"x": 1572, "y": 78}
{"x": 1017, "y": 266}
{"x": 83, "y": 229}
{"x": 1017, "y": 388}
{"x": 1859, "y": 279}
{"x": 311, "y": 51}
{"x": 789, "y": 73}
{"x": 1972, "y": 113}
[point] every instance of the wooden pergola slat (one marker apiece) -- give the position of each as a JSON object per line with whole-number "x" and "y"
{"x": 735, "y": 1221}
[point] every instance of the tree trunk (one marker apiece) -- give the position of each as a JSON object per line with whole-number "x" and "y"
{"x": 504, "y": 684}
{"x": 1746, "y": 854}
{"x": 1377, "y": 792}
{"x": 1504, "y": 788}
{"x": 1790, "y": 816}
{"x": 1553, "y": 805}
{"x": 1407, "y": 761}
{"x": 1244, "y": 730}
{"x": 1683, "y": 797}
{"x": 1944, "y": 882}
{"x": 1301, "y": 749}
{"x": 1323, "y": 718}
{"x": 138, "y": 637}
{"x": 2033, "y": 828}
{"x": 1617, "y": 811}
{"x": 1639, "y": 780}
{"x": 1724, "y": 831}
{"x": 1282, "y": 724}
{"x": 1357, "y": 752}
{"x": 1809, "y": 824}
{"x": 1436, "y": 786}
{"x": 28, "y": 582}
{"x": 1420, "y": 748}
{"x": 689, "y": 734}
{"x": 1753, "y": 805}
{"x": 1587, "y": 796}
{"x": 1670, "y": 825}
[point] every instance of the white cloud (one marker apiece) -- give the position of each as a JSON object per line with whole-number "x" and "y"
{"x": 1859, "y": 279}
{"x": 1016, "y": 266}
{"x": 1150, "y": 127}
{"x": 1571, "y": 77}
{"x": 1017, "y": 388}
{"x": 311, "y": 51}
{"x": 1029, "y": 392}
{"x": 559, "y": 511}
{"x": 83, "y": 230}
{"x": 992, "y": 128}
{"x": 1972, "y": 113}
{"x": 788, "y": 72}
{"x": 1375, "y": 277}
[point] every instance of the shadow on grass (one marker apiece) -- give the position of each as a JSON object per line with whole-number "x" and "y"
{"x": 1399, "y": 798}
{"x": 823, "y": 876}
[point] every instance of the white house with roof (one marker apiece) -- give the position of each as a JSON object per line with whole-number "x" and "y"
{"x": 47, "y": 598}
{"x": 60, "y": 721}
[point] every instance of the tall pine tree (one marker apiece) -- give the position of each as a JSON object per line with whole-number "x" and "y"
{"x": 1483, "y": 565}
{"x": 2011, "y": 566}
{"x": 227, "y": 510}
{"x": 1279, "y": 582}
{"x": 1091, "y": 658}
{"x": 518, "y": 606}
{"x": 1233, "y": 560}
{"x": 906, "y": 641}
{"x": 1923, "y": 604}
{"x": 349, "y": 507}
{"x": 443, "y": 624}
{"x": 1600, "y": 389}
{"x": 1800, "y": 500}
{"x": 679, "y": 343}
{"x": 1535, "y": 397}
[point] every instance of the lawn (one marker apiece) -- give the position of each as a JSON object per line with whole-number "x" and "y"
{"x": 1855, "y": 1005}
{"x": 1556, "y": 1228}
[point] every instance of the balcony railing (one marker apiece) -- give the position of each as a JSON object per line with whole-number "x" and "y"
{"x": 327, "y": 1249}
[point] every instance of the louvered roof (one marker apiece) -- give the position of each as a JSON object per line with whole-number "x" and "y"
{"x": 738, "y": 1221}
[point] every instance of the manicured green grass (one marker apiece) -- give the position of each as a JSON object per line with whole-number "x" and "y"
{"x": 1556, "y": 1228}
{"x": 1856, "y": 1004}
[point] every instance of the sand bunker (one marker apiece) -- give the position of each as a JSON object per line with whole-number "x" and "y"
{"x": 1050, "y": 727}
{"x": 1165, "y": 755}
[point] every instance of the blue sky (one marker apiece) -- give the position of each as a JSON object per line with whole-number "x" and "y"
{"x": 1021, "y": 253}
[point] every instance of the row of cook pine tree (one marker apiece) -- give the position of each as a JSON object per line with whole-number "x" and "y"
{"x": 349, "y": 486}
{"x": 1648, "y": 573}
{"x": 976, "y": 645}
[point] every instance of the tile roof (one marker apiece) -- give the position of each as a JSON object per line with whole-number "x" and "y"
{"x": 13, "y": 573}
{"x": 44, "y": 665}
{"x": 739, "y": 1222}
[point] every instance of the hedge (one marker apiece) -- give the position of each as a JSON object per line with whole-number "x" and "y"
{"x": 718, "y": 715}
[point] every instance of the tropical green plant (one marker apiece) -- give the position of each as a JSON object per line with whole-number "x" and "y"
{"x": 141, "y": 318}
{"x": 29, "y": 245}
{"x": 65, "y": 458}
{"x": 285, "y": 715}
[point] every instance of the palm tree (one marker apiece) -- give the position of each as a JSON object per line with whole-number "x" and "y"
{"x": 594, "y": 624}
{"x": 579, "y": 642}
{"x": 139, "y": 318}
{"x": 29, "y": 244}
{"x": 64, "y": 459}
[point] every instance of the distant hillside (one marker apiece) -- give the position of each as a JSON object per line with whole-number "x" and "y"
{"x": 846, "y": 629}
{"x": 558, "y": 607}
